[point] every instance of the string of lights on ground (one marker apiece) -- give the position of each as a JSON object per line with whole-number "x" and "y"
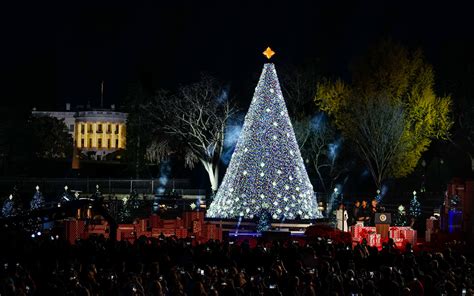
{"x": 266, "y": 173}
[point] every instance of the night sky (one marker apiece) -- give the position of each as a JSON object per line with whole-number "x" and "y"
{"x": 59, "y": 52}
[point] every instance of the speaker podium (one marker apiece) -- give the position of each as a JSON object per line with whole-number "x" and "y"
{"x": 382, "y": 224}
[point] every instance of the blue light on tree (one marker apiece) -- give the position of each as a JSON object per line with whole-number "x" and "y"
{"x": 266, "y": 172}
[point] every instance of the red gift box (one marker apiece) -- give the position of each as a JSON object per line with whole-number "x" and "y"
{"x": 374, "y": 240}
{"x": 365, "y": 231}
{"x": 394, "y": 232}
{"x": 411, "y": 236}
{"x": 142, "y": 225}
{"x": 155, "y": 221}
{"x": 402, "y": 233}
{"x": 197, "y": 227}
{"x": 169, "y": 224}
{"x": 181, "y": 233}
{"x": 432, "y": 224}
{"x": 143, "y": 233}
{"x": 210, "y": 231}
{"x": 156, "y": 232}
{"x": 190, "y": 217}
{"x": 179, "y": 222}
{"x": 399, "y": 242}
{"x": 74, "y": 230}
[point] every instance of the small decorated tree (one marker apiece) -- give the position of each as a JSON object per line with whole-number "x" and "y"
{"x": 8, "y": 208}
{"x": 415, "y": 207}
{"x": 37, "y": 201}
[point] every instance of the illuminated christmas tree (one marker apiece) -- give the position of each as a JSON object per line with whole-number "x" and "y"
{"x": 37, "y": 201}
{"x": 415, "y": 207}
{"x": 8, "y": 208}
{"x": 266, "y": 173}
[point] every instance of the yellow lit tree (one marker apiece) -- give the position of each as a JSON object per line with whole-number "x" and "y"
{"x": 389, "y": 111}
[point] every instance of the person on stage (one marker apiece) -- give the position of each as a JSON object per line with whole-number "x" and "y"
{"x": 374, "y": 208}
{"x": 364, "y": 213}
{"x": 341, "y": 218}
{"x": 355, "y": 212}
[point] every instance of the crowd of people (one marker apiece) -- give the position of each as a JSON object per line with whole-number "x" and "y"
{"x": 171, "y": 266}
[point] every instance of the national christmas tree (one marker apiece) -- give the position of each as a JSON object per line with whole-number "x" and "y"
{"x": 266, "y": 173}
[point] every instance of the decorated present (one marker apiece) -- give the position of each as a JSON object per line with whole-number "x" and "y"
{"x": 143, "y": 233}
{"x": 394, "y": 232}
{"x": 402, "y": 232}
{"x": 126, "y": 232}
{"x": 169, "y": 224}
{"x": 179, "y": 222}
{"x": 156, "y": 232}
{"x": 196, "y": 227}
{"x": 190, "y": 217}
{"x": 181, "y": 232}
{"x": 211, "y": 231}
{"x": 128, "y": 236}
{"x": 74, "y": 230}
{"x": 142, "y": 225}
{"x": 355, "y": 229}
{"x": 366, "y": 231}
{"x": 97, "y": 229}
{"x": 428, "y": 234}
{"x": 155, "y": 221}
{"x": 432, "y": 224}
{"x": 411, "y": 236}
{"x": 399, "y": 242}
{"x": 374, "y": 240}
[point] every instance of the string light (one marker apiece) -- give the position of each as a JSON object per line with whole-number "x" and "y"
{"x": 266, "y": 166}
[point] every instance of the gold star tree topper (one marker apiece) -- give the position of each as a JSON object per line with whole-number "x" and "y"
{"x": 268, "y": 53}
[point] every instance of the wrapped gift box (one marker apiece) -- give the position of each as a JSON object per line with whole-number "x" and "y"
{"x": 211, "y": 231}
{"x": 196, "y": 227}
{"x": 364, "y": 232}
{"x": 169, "y": 224}
{"x": 374, "y": 240}
{"x": 432, "y": 224}
{"x": 181, "y": 233}
{"x": 142, "y": 225}
{"x": 394, "y": 232}
{"x": 74, "y": 230}
{"x": 125, "y": 232}
{"x": 179, "y": 222}
{"x": 399, "y": 242}
{"x": 190, "y": 217}
{"x": 411, "y": 236}
{"x": 156, "y": 232}
{"x": 155, "y": 221}
{"x": 143, "y": 233}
